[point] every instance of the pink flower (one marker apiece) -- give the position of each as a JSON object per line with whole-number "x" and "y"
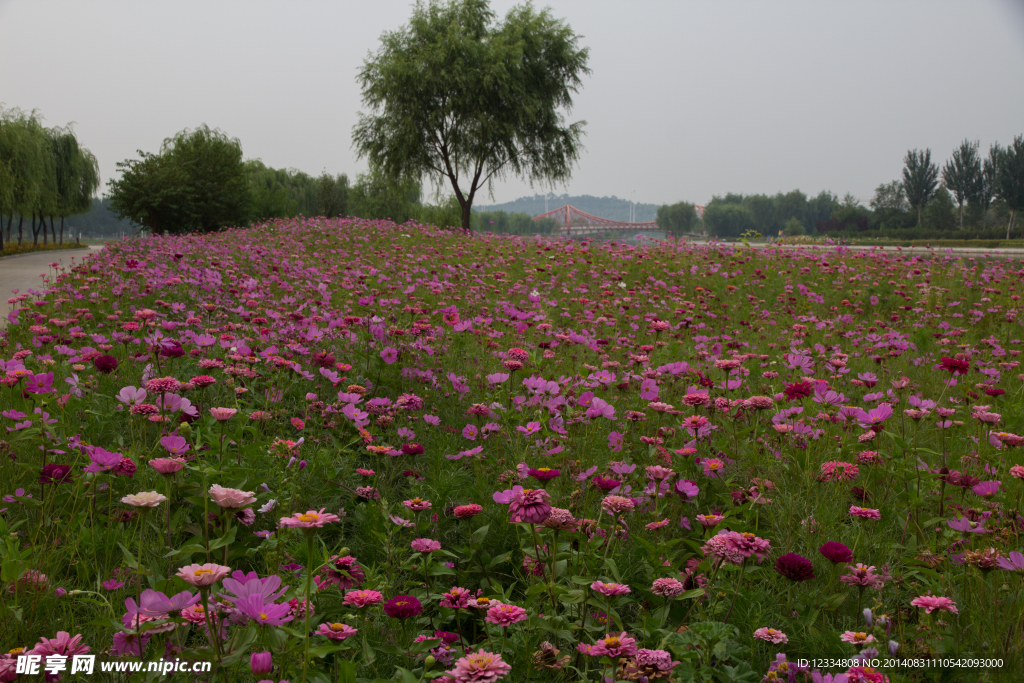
{"x": 835, "y": 470}
{"x": 1017, "y": 471}
{"x": 934, "y": 602}
{"x": 63, "y": 644}
{"x": 425, "y": 545}
{"x": 616, "y": 505}
{"x": 389, "y": 355}
{"x": 505, "y": 615}
{"x": 298, "y": 423}
{"x": 867, "y": 513}
{"x": 771, "y": 635}
{"x": 336, "y": 631}
{"x": 363, "y": 598}
{"x": 231, "y": 499}
{"x": 456, "y": 598}
{"x": 857, "y": 637}
{"x": 530, "y": 506}
{"x": 311, "y": 519}
{"x": 669, "y": 588}
{"x": 467, "y": 511}
{"x": 203, "y": 574}
{"x": 417, "y": 504}
{"x": 479, "y": 667}
{"x": 222, "y": 414}
{"x": 166, "y": 465}
{"x": 609, "y": 589}
{"x": 614, "y": 646}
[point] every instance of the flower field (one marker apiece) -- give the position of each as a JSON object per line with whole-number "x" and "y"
{"x": 351, "y": 450}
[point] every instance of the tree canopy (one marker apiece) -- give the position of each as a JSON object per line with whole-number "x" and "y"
{"x": 920, "y": 178}
{"x": 677, "y": 219}
{"x": 1010, "y": 179}
{"x": 465, "y": 100}
{"x": 962, "y": 174}
{"x": 44, "y": 172}
{"x": 196, "y": 182}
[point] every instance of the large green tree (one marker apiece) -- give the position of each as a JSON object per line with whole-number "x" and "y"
{"x": 677, "y": 219}
{"x": 962, "y": 174}
{"x": 465, "y": 100}
{"x": 728, "y": 220}
{"x": 920, "y": 178}
{"x": 196, "y": 182}
{"x": 988, "y": 187}
{"x": 1010, "y": 179}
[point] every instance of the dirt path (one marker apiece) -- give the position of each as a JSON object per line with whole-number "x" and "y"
{"x": 23, "y": 272}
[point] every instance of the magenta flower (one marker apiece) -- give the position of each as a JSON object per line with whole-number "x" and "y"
{"x": 505, "y": 615}
{"x": 336, "y": 631}
{"x": 363, "y": 598}
{"x": 934, "y": 602}
{"x": 311, "y": 519}
{"x": 530, "y": 506}
{"x": 479, "y": 667}
{"x": 866, "y": 513}
{"x": 425, "y": 545}
{"x": 615, "y": 441}
{"x": 987, "y": 489}
{"x": 265, "y": 614}
{"x": 402, "y": 607}
{"x": 610, "y": 590}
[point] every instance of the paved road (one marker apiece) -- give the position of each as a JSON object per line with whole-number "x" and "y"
{"x": 928, "y": 252}
{"x": 22, "y": 272}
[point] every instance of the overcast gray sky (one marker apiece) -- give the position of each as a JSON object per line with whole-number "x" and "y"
{"x": 686, "y": 99}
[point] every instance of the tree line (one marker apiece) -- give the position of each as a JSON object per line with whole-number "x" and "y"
{"x": 976, "y": 193}
{"x": 45, "y": 173}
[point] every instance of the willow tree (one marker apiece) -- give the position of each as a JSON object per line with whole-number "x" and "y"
{"x": 465, "y": 100}
{"x": 24, "y": 158}
{"x": 77, "y": 177}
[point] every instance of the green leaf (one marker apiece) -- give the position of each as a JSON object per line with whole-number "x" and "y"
{"x": 479, "y": 535}
{"x": 129, "y": 559}
{"x": 498, "y": 560}
{"x": 406, "y": 675}
{"x": 695, "y": 593}
{"x": 224, "y": 540}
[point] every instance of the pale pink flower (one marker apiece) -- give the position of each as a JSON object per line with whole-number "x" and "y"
{"x": 857, "y": 637}
{"x": 144, "y": 499}
{"x": 222, "y": 414}
{"x": 479, "y": 667}
{"x": 166, "y": 465}
{"x": 771, "y": 635}
{"x": 616, "y": 505}
{"x": 231, "y": 499}
{"x": 203, "y": 574}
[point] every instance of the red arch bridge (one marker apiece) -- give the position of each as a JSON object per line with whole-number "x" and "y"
{"x": 573, "y": 221}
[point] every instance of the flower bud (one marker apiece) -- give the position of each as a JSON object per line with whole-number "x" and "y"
{"x": 868, "y": 617}
{"x": 261, "y": 662}
{"x": 429, "y": 662}
{"x": 185, "y": 429}
{"x": 893, "y": 646}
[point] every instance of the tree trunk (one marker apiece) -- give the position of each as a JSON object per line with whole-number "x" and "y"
{"x": 53, "y": 232}
{"x": 35, "y": 231}
{"x": 21, "y": 221}
{"x": 1009, "y": 226}
{"x": 42, "y": 222}
{"x": 961, "y": 215}
{"x": 62, "y": 231}
{"x": 919, "y": 207}
{"x": 466, "y": 217}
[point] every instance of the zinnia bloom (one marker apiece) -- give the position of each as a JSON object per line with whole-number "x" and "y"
{"x": 311, "y": 519}
{"x": 934, "y": 602}
{"x": 166, "y": 465}
{"x": 222, "y": 414}
{"x": 425, "y": 545}
{"x": 771, "y": 635}
{"x": 794, "y": 567}
{"x": 609, "y": 589}
{"x": 479, "y": 667}
{"x": 402, "y": 607}
{"x": 144, "y": 499}
{"x": 867, "y": 513}
{"x": 467, "y": 511}
{"x": 529, "y": 506}
{"x": 836, "y": 552}
{"x": 364, "y": 598}
{"x": 505, "y": 615}
{"x": 203, "y": 574}
{"x": 336, "y": 631}
{"x": 616, "y": 505}
{"x": 231, "y": 499}
{"x": 669, "y": 588}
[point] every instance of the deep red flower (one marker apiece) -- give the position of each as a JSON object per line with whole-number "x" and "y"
{"x": 836, "y": 552}
{"x": 105, "y": 364}
{"x": 795, "y": 567}
{"x": 55, "y": 473}
{"x": 799, "y": 390}
{"x": 402, "y": 607}
{"x": 954, "y": 365}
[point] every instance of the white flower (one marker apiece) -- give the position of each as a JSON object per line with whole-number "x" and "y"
{"x": 145, "y": 499}
{"x": 264, "y": 509}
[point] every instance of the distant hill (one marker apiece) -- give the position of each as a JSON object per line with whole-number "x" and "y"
{"x": 611, "y": 208}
